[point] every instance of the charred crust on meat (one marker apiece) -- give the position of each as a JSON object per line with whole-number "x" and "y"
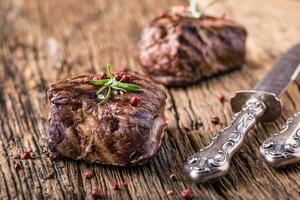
{"x": 115, "y": 133}
{"x": 181, "y": 50}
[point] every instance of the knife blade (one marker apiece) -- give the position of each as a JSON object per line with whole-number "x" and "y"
{"x": 259, "y": 104}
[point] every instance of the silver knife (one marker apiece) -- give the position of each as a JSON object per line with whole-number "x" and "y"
{"x": 283, "y": 148}
{"x": 259, "y": 104}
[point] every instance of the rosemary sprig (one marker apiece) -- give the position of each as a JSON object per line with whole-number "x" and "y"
{"x": 112, "y": 84}
{"x": 195, "y": 10}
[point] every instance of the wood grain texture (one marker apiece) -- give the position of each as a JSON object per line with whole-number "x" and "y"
{"x": 44, "y": 41}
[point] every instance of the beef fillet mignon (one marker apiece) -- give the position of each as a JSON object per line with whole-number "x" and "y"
{"x": 180, "y": 50}
{"x": 115, "y": 133}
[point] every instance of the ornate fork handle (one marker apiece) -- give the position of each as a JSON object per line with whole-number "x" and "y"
{"x": 283, "y": 148}
{"x": 214, "y": 160}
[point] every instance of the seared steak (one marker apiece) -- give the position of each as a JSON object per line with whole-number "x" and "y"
{"x": 180, "y": 50}
{"x": 115, "y": 133}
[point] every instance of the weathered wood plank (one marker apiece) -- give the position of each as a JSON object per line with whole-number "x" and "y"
{"x": 43, "y": 41}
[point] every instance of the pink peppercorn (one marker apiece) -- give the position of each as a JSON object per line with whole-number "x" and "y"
{"x": 125, "y": 184}
{"x": 162, "y": 14}
{"x": 126, "y": 78}
{"x": 26, "y": 155}
{"x": 216, "y": 120}
{"x": 116, "y": 186}
{"x": 118, "y": 76}
{"x": 222, "y": 99}
{"x": 135, "y": 100}
{"x": 17, "y": 166}
{"x": 96, "y": 194}
{"x": 88, "y": 174}
{"x": 97, "y": 78}
{"x": 186, "y": 193}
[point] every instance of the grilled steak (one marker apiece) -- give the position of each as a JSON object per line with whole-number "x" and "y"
{"x": 180, "y": 50}
{"x": 115, "y": 133}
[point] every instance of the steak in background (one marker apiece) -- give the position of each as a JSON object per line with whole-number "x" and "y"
{"x": 180, "y": 50}
{"x": 115, "y": 133}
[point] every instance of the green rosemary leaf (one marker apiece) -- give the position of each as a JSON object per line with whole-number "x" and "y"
{"x": 194, "y": 9}
{"x": 105, "y": 100}
{"x": 129, "y": 87}
{"x": 112, "y": 84}
{"x": 98, "y": 82}
{"x": 101, "y": 89}
{"x": 108, "y": 69}
{"x": 117, "y": 88}
{"x": 135, "y": 90}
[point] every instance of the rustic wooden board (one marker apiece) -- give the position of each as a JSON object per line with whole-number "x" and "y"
{"x": 43, "y": 41}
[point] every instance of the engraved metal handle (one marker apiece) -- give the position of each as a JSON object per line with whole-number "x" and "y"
{"x": 214, "y": 160}
{"x": 283, "y": 148}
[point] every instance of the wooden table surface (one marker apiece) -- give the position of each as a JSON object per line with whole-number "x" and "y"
{"x": 44, "y": 41}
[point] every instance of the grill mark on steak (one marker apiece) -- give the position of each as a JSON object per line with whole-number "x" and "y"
{"x": 193, "y": 33}
{"x": 188, "y": 49}
{"x": 115, "y": 133}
